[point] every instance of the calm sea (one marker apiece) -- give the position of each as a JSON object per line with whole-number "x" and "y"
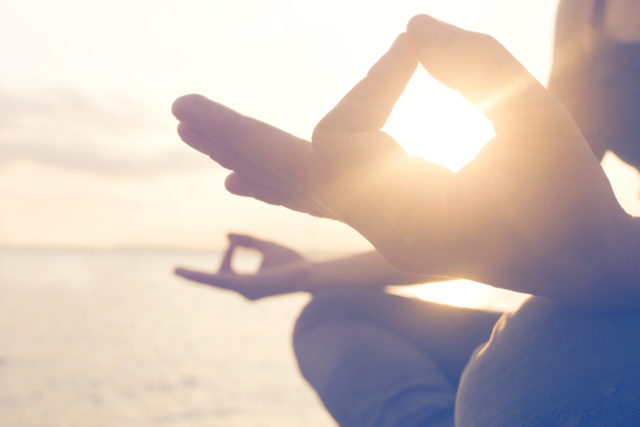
{"x": 114, "y": 339}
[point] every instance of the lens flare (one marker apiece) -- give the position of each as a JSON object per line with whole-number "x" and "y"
{"x": 436, "y": 123}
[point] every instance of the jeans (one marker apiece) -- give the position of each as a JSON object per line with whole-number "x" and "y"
{"x": 377, "y": 359}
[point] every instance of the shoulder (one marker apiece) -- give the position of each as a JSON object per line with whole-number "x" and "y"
{"x": 573, "y": 25}
{"x": 579, "y": 10}
{"x": 622, "y": 19}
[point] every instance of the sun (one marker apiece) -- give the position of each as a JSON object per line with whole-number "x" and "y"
{"x": 436, "y": 123}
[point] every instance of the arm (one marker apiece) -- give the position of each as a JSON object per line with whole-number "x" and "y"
{"x": 365, "y": 269}
{"x": 284, "y": 271}
{"x": 533, "y": 212}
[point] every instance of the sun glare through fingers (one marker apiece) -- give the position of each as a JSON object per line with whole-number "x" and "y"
{"x": 436, "y": 123}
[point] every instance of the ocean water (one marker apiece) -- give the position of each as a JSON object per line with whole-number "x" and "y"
{"x": 114, "y": 339}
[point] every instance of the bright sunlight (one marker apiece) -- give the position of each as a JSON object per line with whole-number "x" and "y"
{"x": 464, "y": 293}
{"x": 437, "y": 123}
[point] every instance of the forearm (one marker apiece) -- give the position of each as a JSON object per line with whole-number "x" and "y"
{"x": 369, "y": 269}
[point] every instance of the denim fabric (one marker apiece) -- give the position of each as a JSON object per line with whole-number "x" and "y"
{"x": 549, "y": 365}
{"x": 383, "y": 360}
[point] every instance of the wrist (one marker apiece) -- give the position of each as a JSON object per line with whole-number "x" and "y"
{"x": 304, "y": 276}
{"x": 320, "y": 274}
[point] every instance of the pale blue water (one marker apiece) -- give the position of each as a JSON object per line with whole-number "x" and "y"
{"x": 113, "y": 339}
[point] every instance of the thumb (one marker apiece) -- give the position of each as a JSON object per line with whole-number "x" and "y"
{"x": 479, "y": 67}
{"x": 247, "y": 241}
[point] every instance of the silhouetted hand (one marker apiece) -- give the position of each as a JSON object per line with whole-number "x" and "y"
{"x": 281, "y": 271}
{"x": 533, "y": 212}
{"x": 279, "y": 168}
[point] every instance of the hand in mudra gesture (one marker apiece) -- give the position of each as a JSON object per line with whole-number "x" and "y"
{"x": 282, "y": 270}
{"x": 532, "y": 212}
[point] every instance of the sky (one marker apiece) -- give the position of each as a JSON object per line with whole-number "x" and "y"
{"x": 89, "y": 156}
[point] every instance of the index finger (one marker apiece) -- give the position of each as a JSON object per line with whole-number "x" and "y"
{"x": 260, "y": 144}
{"x": 247, "y": 241}
{"x": 225, "y": 265}
{"x": 224, "y": 281}
{"x": 368, "y": 105}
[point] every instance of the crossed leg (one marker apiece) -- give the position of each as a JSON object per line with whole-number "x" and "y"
{"x": 377, "y": 359}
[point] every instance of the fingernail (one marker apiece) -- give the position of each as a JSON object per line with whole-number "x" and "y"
{"x": 428, "y": 31}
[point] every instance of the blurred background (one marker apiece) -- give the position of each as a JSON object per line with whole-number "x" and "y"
{"x": 99, "y": 198}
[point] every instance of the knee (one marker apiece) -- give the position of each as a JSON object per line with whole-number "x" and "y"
{"x": 327, "y": 306}
{"x": 549, "y": 365}
{"x": 323, "y": 324}
{"x": 315, "y": 333}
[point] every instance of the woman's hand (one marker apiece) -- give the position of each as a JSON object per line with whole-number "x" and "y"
{"x": 281, "y": 271}
{"x": 278, "y": 168}
{"x": 533, "y": 212}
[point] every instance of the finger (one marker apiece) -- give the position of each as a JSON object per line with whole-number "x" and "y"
{"x": 273, "y": 254}
{"x": 249, "y": 286}
{"x": 259, "y": 143}
{"x": 479, "y": 67}
{"x": 225, "y": 265}
{"x": 250, "y": 242}
{"x": 368, "y": 105}
{"x": 241, "y": 185}
{"x": 361, "y": 152}
{"x": 227, "y": 158}
{"x": 224, "y": 281}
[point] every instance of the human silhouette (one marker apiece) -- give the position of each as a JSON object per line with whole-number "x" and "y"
{"x": 533, "y": 212}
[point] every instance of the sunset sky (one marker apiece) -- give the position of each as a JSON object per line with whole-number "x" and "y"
{"x": 89, "y": 156}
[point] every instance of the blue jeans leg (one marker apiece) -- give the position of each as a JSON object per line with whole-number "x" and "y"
{"x": 549, "y": 365}
{"x": 376, "y": 359}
